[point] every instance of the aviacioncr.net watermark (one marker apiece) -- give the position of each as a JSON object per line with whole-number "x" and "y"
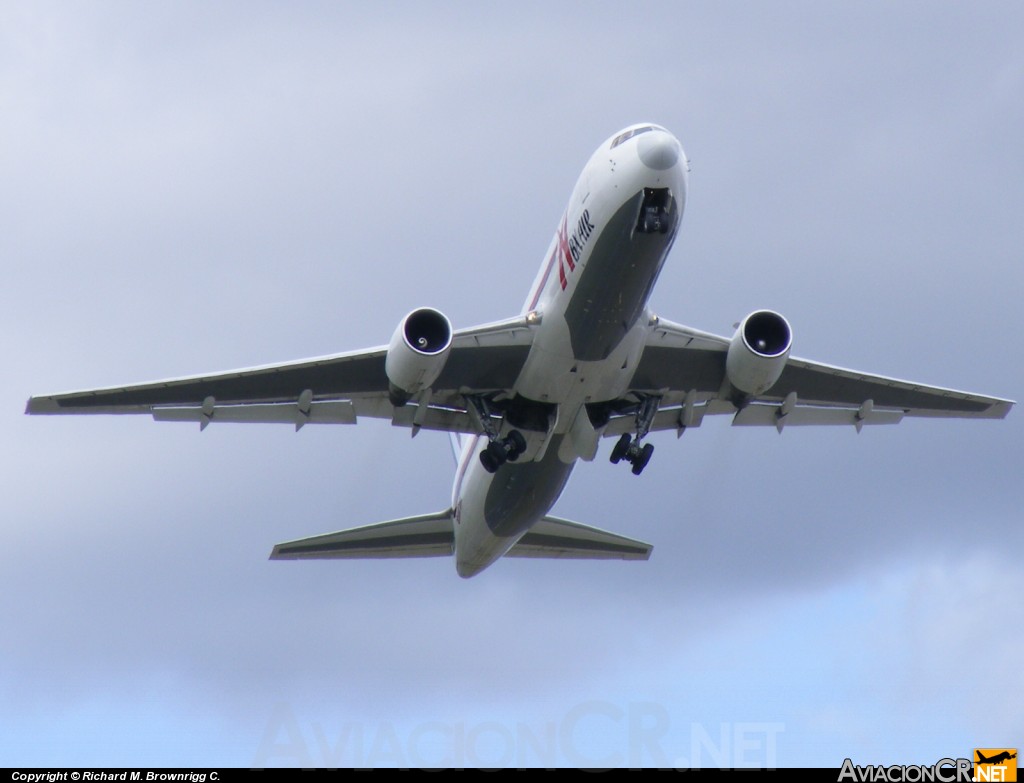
{"x": 592, "y": 734}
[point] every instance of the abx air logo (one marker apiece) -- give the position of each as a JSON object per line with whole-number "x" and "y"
{"x": 998, "y": 764}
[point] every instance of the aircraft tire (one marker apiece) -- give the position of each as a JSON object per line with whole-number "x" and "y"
{"x": 516, "y": 445}
{"x": 498, "y": 452}
{"x": 487, "y": 460}
{"x": 620, "y": 448}
{"x": 642, "y": 459}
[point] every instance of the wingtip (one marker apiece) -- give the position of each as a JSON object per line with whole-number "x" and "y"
{"x": 1002, "y": 408}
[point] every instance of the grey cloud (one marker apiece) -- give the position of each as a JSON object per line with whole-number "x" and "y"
{"x": 192, "y": 189}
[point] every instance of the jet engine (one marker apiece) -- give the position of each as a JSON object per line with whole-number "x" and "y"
{"x": 758, "y": 352}
{"x": 417, "y": 353}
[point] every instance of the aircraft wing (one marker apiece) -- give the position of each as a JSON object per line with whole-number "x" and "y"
{"x": 685, "y": 368}
{"x": 333, "y": 389}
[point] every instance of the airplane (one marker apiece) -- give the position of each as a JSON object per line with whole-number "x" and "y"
{"x": 996, "y": 759}
{"x": 532, "y": 395}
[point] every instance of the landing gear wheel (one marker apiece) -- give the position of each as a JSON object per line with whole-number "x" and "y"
{"x": 487, "y": 460}
{"x": 620, "y": 448}
{"x": 498, "y": 451}
{"x": 640, "y": 460}
{"x": 494, "y": 456}
{"x": 516, "y": 445}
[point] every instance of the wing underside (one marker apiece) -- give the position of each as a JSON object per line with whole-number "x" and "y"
{"x": 337, "y": 389}
{"x": 685, "y": 370}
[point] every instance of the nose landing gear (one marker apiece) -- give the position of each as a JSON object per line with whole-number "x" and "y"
{"x": 655, "y": 211}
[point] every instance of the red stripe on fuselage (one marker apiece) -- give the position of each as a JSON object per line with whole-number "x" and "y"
{"x": 563, "y": 243}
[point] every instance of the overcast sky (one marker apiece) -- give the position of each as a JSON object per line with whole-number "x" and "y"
{"x": 195, "y": 187}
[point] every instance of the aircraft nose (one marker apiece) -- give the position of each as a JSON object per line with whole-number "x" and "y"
{"x": 658, "y": 150}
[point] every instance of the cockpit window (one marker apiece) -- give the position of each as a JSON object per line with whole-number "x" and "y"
{"x": 630, "y": 134}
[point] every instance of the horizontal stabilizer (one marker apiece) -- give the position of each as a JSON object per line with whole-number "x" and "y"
{"x": 428, "y": 535}
{"x": 562, "y": 539}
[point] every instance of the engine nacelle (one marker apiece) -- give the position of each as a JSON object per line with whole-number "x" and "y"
{"x": 417, "y": 353}
{"x": 758, "y": 352}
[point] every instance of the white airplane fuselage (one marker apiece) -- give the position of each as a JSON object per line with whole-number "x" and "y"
{"x": 590, "y": 297}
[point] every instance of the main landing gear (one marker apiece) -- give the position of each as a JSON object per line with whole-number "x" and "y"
{"x": 502, "y": 450}
{"x": 633, "y": 453}
{"x": 631, "y": 450}
{"x": 498, "y": 450}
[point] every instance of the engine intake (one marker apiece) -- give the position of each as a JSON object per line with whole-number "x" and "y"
{"x": 758, "y": 352}
{"x": 417, "y": 353}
